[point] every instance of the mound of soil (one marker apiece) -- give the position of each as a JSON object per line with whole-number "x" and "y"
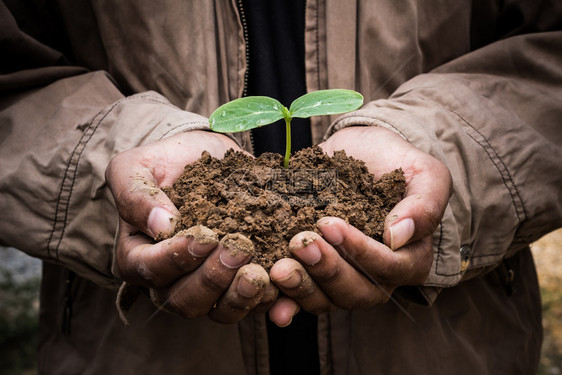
{"x": 270, "y": 204}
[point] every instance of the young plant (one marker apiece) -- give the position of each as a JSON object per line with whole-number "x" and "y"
{"x": 255, "y": 111}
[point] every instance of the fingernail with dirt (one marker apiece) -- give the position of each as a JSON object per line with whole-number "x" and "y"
{"x": 236, "y": 250}
{"x": 160, "y": 221}
{"x": 248, "y": 287}
{"x": 308, "y": 251}
{"x": 203, "y": 240}
{"x": 331, "y": 231}
{"x": 401, "y": 232}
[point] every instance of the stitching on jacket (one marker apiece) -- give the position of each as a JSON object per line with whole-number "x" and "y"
{"x": 147, "y": 97}
{"x": 317, "y": 46}
{"x": 509, "y": 178}
{"x": 439, "y": 252}
{"x": 73, "y": 161}
{"x": 203, "y": 126}
{"x": 364, "y": 120}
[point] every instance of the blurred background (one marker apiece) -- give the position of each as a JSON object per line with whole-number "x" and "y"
{"x": 20, "y": 277}
{"x": 548, "y": 259}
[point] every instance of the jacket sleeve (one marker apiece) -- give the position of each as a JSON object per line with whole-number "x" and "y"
{"x": 494, "y": 118}
{"x": 56, "y": 143}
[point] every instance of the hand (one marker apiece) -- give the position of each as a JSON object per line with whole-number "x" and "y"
{"x": 345, "y": 268}
{"x": 189, "y": 272}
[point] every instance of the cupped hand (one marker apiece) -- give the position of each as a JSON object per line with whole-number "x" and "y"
{"x": 191, "y": 273}
{"x": 343, "y": 268}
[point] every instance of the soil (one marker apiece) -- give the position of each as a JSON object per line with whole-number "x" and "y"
{"x": 269, "y": 204}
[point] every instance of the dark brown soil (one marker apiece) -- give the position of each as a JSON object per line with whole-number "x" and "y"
{"x": 269, "y": 204}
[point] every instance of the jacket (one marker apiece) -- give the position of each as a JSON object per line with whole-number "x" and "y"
{"x": 477, "y": 84}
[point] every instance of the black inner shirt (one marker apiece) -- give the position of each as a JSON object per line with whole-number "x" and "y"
{"x": 276, "y": 69}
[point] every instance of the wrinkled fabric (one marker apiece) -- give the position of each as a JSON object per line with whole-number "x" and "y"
{"x": 477, "y": 84}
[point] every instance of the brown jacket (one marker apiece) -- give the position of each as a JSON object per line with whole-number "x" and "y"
{"x": 477, "y": 84}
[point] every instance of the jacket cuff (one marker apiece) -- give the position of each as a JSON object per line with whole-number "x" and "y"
{"x": 145, "y": 118}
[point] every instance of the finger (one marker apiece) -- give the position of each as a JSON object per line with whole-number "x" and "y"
{"x": 268, "y": 299}
{"x": 428, "y": 189}
{"x": 346, "y": 287}
{"x": 138, "y": 198}
{"x": 143, "y": 263}
{"x": 283, "y": 311}
{"x": 195, "y": 294}
{"x": 245, "y": 293}
{"x": 408, "y": 266}
{"x": 293, "y": 280}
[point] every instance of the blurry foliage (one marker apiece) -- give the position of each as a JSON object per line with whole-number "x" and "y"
{"x": 19, "y": 310}
{"x": 551, "y": 358}
{"x": 547, "y": 253}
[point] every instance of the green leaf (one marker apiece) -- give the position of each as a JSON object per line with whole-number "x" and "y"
{"x": 326, "y": 102}
{"x": 246, "y": 113}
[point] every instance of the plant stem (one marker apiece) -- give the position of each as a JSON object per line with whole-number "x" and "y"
{"x": 288, "y": 142}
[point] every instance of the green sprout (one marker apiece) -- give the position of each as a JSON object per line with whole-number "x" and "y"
{"x": 255, "y": 111}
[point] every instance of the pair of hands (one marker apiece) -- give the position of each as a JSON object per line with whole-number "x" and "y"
{"x": 198, "y": 275}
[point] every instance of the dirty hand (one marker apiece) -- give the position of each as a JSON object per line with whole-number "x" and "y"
{"x": 191, "y": 273}
{"x": 343, "y": 268}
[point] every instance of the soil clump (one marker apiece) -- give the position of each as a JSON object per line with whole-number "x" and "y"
{"x": 269, "y": 204}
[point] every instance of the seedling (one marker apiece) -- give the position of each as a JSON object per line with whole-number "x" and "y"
{"x": 255, "y": 111}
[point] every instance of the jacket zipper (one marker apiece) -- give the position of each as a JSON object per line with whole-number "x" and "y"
{"x": 247, "y": 52}
{"x": 247, "y": 44}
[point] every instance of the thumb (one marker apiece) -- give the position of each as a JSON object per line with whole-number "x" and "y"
{"x": 161, "y": 222}
{"x": 140, "y": 202}
{"x": 419, "y": 213}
